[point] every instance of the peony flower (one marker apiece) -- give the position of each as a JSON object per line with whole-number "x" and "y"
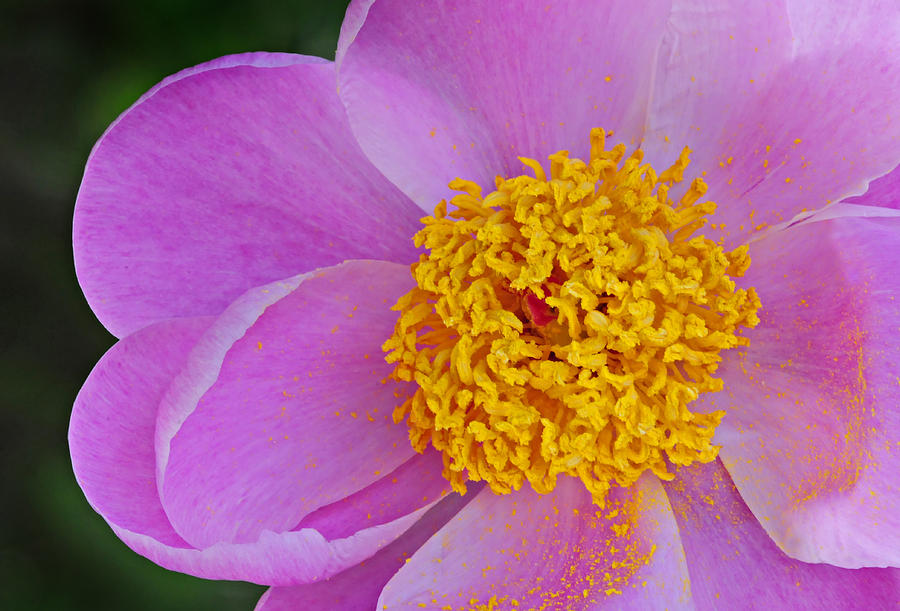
{"x": 643, "y": 409}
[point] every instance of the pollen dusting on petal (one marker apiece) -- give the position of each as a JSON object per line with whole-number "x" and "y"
{"x": 602, "y": 557}
{"x": 563, "y": 323}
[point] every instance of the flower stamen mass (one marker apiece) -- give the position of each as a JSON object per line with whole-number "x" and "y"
{"x": 562, "y": 325}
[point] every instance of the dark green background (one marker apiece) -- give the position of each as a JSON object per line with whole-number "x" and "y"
{"x": 67, "y": 69}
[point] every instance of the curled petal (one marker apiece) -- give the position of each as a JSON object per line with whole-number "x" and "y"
{"x": 883, "y": 191}
{"x": 111, "y": 442}
{"x": 283, "y": 409}
{"x": 359, "y": 587}
{"x": 278, "y": 559}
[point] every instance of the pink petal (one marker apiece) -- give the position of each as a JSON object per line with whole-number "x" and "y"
{"x": 735, "y": 565}
{"x": 224, "y": 177}
{"x": 437, "y": 91}
{"x": 808, "y": 132}
{"x": 359, "y": 587}
{"x": 884, "y": 191}
{"x": 283, "y": 409}
{"x": 811, "y": 427}
{"x": 111, "y": 441}
{"x": 554, "y": 550}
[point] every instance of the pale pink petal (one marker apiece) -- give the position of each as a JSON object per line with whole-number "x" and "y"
{"x": 224, "y": 177}
{"x": 283, "y": 409}
{"x": 808, "y": 132}
{"x": 356, "y": 14}
{"x": 841, "y": 210}
{"x": 827, "y": 25}
{"x": 557, "y": 550}
{"x": 811, "y": 426}
{"x": 734, "y": 564}
{"x": 111, "y": 441}
{"x": 713, "y": 54}
{"x": 359, "y": 587}
{"x": 436, "y": 91}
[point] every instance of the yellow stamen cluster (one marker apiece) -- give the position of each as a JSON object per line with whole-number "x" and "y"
{"x": 562, "y": 325}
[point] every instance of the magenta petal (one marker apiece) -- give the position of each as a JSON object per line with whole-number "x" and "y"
{"x": 811, "y": 427}
{"x": 550, "y": 551}
{"x": 416, "y": 483}
{"x": 259, "y": 59}
{"x": 436, "y": 91}
{"x": 283, "y": 407}
{"x": 359, "y": 587}
{"x": 113, "y": 422}
{"x": 224, "y": 177}
{"x": 734, "y": 564}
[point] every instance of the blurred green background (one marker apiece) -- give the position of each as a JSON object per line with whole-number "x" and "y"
{"x": 67, "y": 69}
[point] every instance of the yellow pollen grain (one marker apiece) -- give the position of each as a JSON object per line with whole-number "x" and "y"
{"x": 562, "y": 324}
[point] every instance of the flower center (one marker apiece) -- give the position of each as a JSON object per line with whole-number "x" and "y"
{"x": 562, "y": 325}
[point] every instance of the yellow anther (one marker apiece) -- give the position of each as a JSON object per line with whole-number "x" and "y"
{"x": 563, "y": 323}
